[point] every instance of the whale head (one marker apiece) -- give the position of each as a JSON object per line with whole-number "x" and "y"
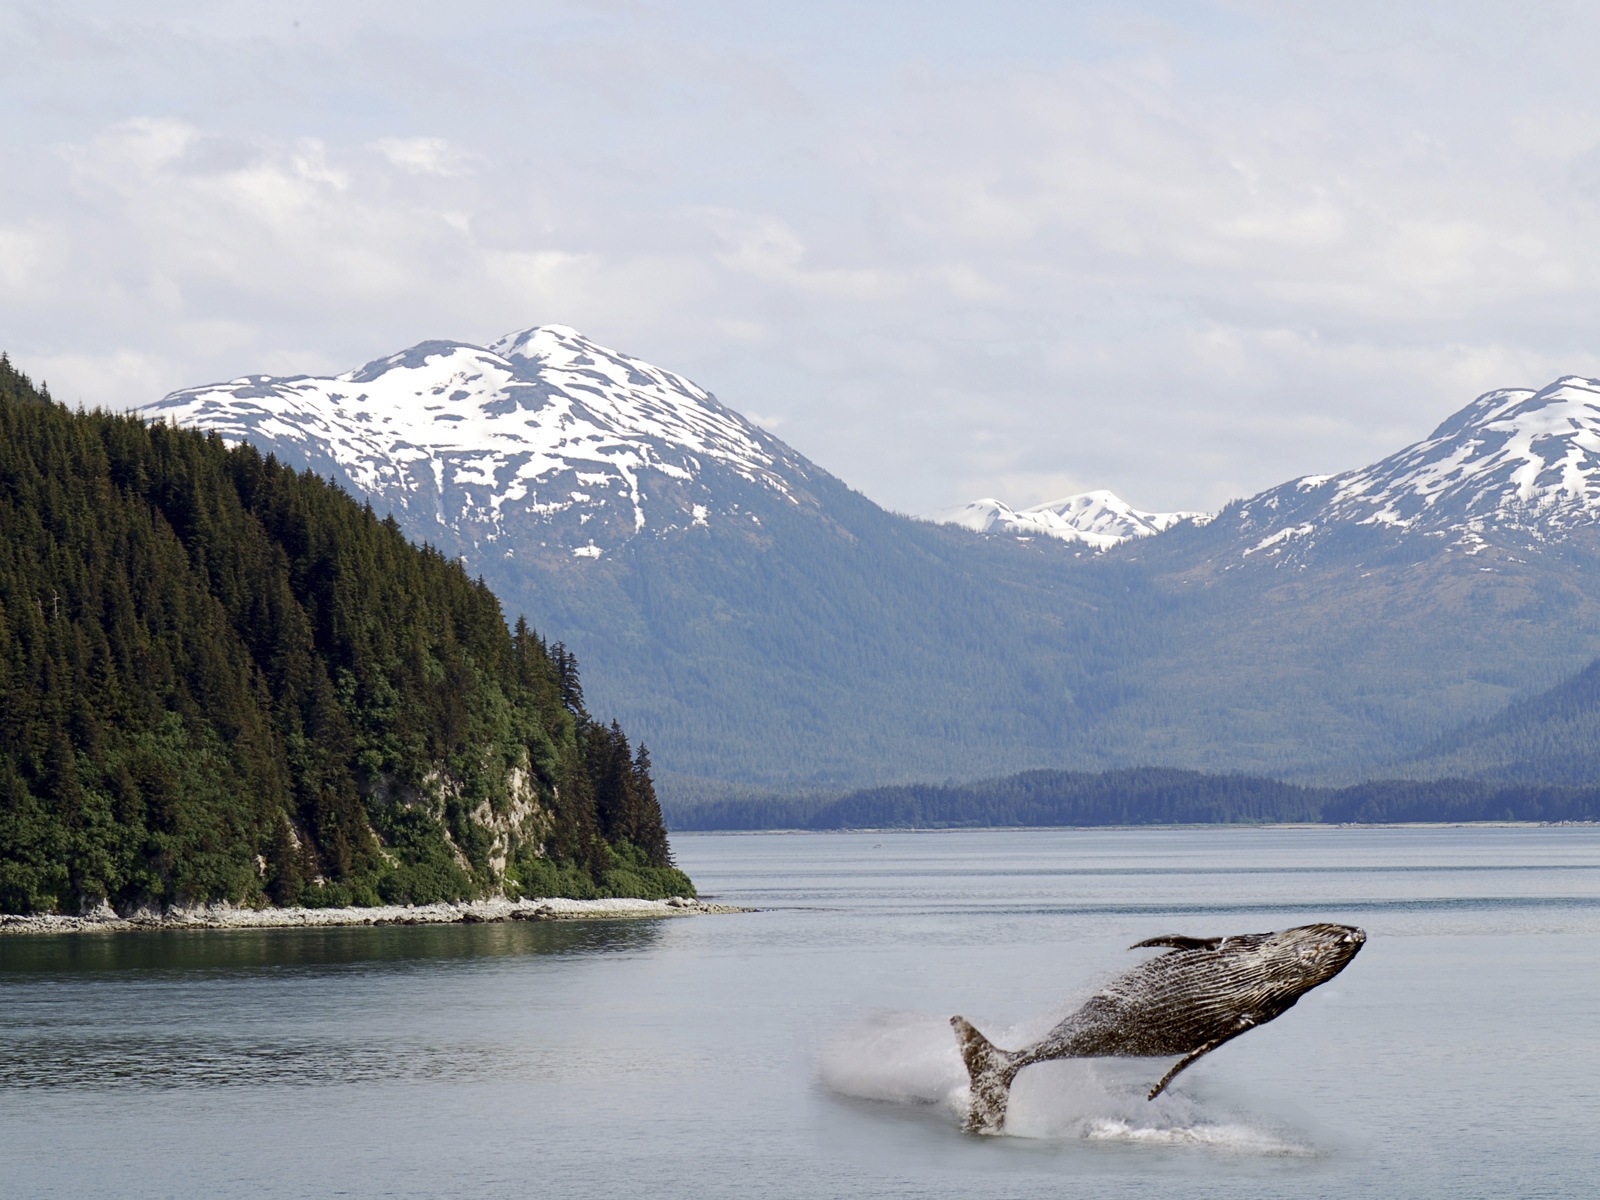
{"x": 1297, "y": 960}
{"x": 1278, "y": 967}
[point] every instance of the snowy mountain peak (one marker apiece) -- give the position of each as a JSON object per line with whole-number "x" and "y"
{"x": 540, "y": 342}
{"x": 1513, "y": 459}
{"x": 1511, "y": 455}
{"x": 544, "y": 425}
{"x": 1097, "y": 520}
{"x": 563, "y": 348}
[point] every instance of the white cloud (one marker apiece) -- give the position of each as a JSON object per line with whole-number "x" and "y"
{"x": 1010, "y": 252}
{"x": 420, "y": 155}
{"x": 22, "y": 255}
{"x": 119, "y": 380}
{"x": 768, "y": 249}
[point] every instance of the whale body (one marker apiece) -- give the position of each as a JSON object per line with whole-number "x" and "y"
{"x": 1201, "y": 993}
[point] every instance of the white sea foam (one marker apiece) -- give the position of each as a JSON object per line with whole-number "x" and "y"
{"x": 911, "y": 1058}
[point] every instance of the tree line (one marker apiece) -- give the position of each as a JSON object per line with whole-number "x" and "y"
{"x": 1150, "y": 796}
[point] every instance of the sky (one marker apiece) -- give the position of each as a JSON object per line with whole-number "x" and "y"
{"x": 947, "y": 251}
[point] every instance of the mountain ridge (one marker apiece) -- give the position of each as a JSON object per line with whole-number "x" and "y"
{"x": 510, "y": 427}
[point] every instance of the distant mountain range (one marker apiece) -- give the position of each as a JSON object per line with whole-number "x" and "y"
{"x": 1095, "y": 520}
{"x": 762, "y": 625}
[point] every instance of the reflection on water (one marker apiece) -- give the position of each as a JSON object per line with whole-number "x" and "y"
{"x": 250, "y": 1008}
{"x": 242, "y": 950}
{"x": 175, "y": 1061}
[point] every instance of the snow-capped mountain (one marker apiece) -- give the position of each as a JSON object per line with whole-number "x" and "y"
{"x": 543, "y": 428}
{"x": 1097, "y": 520}
{"x": 1513, "y": 462}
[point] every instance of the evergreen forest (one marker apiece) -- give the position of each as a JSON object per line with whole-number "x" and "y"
{"x": 1550, "y": 737}
{"x": 222, "y": 679}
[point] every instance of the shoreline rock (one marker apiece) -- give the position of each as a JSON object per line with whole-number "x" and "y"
{"x": 466, "y": 912}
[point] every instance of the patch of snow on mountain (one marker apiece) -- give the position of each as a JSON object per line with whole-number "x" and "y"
{"x": 1283, "y": 535}
{"x": 1097, "y": 520}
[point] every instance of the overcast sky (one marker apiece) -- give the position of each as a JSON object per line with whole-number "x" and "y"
{"x": 1182, "y": 251}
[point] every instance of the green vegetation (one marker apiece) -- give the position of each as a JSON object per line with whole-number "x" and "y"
{"x": 1551, "y": 737}
{"x": 1151, "y": 796}
{"x": 222, "y": 679}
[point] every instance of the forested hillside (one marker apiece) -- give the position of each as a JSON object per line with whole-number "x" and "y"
{"x": 1550, "y": 737}
{"x": 222, "y": 679}
{"x": 1151, "y": 796}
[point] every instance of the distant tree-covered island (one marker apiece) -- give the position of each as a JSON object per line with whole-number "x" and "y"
{"x": 225, "y": 680}
{"x": 1150, "y": 796}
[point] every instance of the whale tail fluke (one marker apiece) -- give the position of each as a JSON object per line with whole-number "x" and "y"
{"x": 991, "y": 1071}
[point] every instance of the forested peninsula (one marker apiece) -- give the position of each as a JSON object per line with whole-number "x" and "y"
{"x": 223, "y": 680}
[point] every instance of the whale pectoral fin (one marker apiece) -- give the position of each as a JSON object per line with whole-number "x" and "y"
{"x": 1195, "y": 1055}
{"x": 1178, "y": 942}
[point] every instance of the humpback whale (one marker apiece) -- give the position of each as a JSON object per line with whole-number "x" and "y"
{"x": 1201, "y": 993}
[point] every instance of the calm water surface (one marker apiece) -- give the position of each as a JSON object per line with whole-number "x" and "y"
{"x": 1458, "y": 1056}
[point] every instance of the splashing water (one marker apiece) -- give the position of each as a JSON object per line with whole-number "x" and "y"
{"x": 912, "y": 1058}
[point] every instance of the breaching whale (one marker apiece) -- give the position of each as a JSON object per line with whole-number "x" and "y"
{"x": 1201, "y": 993}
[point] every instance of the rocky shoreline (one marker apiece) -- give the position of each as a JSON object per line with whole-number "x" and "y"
{"x": 466, "y": 912}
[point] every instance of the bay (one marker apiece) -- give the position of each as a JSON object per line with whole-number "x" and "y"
{"x": 801, "y": 1050}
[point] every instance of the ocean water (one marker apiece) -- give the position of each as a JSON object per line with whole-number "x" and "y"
{"x": 803, "y": 1050}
